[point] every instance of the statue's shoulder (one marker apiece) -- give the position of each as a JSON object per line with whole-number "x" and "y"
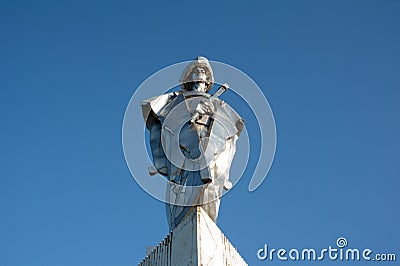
{"x": 154, "y": 107}
{"x": 226, "y": 113}
{"x": 158, "y": 102}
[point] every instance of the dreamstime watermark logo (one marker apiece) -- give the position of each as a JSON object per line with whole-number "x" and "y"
{"x": 340, "y": 252}
{"x": 244, "y": 93}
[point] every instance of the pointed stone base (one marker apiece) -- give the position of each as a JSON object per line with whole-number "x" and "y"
{"x": 196, "y": 241}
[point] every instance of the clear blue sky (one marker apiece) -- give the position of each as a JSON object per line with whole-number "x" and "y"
{"x": 330, "y": 70}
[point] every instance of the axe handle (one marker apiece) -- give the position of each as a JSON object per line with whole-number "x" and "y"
{"x": 223, "y": 88}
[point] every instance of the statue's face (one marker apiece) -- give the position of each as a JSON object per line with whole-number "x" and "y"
{"x": 199, "y": 78}
{"x": 199, "y": 74}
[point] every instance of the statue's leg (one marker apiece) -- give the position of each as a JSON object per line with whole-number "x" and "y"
{"x": 211, "y": 201}
{"x": 182, "y": 196}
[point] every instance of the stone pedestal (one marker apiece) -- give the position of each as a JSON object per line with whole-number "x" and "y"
{"x": 195, "y": 241}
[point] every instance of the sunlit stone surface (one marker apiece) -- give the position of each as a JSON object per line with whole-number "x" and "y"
{"x": 197, "y": 240}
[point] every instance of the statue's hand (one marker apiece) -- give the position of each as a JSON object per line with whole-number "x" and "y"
{"x": 205, "y": 108}
{"x": 202, "y": 108}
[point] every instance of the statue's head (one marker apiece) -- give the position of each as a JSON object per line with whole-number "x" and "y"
{"x": 197, "y": 76}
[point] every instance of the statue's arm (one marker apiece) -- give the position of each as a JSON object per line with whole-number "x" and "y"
{"x": 151, "y": 109}
{"x": 160, "y": 161}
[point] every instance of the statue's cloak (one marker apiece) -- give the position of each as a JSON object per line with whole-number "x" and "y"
{"x": 180, "y": 139}
{"x": 224, "y": 124}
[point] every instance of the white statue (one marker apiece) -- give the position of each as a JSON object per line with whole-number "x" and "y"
{"x": 193, "y": 141}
